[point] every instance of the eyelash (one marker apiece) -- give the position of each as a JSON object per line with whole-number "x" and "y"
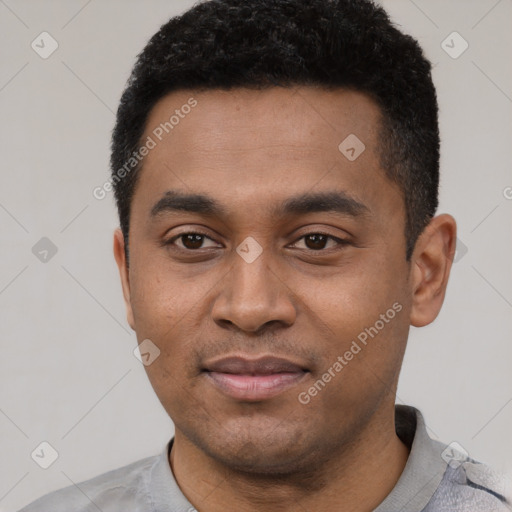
{"x": 339, "y": 241}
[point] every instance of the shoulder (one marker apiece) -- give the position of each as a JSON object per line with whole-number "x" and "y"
{"x": 443, "y": 478}
{"x": 471, "y": 486}
{"x": 124, "y": 488}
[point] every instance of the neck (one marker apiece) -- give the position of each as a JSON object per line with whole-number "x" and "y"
{"x": 375, "y": 455}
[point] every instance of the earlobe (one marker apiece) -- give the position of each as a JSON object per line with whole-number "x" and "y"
{"x": 120, "y": 257}
{"x": 431, "y": 264}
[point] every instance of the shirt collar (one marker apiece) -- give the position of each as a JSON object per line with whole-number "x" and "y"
{"x": 424, "y": 469}
{"x": 163, "y": 488}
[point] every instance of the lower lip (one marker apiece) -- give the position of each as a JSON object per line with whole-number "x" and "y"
{"x": 254, "y": 387}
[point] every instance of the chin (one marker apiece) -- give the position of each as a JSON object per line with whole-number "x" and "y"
{"x": 256, "y": 450}
{"x": 261, "y": 461}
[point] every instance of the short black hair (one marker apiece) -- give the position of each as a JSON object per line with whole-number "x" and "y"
{"x": 257, "y": 44}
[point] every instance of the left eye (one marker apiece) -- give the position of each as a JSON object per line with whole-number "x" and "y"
{"x": 319, "y": 241}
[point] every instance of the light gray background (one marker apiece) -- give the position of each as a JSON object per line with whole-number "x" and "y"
{"x": 67, "y": 370}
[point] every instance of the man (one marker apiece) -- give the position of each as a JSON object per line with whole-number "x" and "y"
{"x": 276, "y": 166}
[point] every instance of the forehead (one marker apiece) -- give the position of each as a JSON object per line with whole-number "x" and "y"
{"x": 254, "y": 146}
{"x": 309, "y": 115}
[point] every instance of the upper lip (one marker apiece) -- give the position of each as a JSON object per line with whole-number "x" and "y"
{"x": 241, "y": 365}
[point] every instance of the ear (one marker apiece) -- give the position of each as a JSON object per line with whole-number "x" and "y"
{"x": 119, "y": 255}
{"x": 430, "y": 268}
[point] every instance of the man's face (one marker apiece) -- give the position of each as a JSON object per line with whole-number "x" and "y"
{"x": 253, "y": 290}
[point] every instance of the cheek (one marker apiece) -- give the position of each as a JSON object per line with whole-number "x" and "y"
{"x": 169, "y": 310}
{"x": 352, "y": 299}
{"x": 162, "y": 318}
{"x": 159, "y": 298}
{"x": 360, "y": 313}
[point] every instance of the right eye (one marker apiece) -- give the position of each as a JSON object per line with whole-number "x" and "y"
{"x": 191, "y": 241}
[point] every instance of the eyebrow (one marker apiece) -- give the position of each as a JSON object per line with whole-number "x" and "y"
{"x": 339, "y": 202}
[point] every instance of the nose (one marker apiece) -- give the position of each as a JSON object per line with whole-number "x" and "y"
{"x": 253, "y": 297}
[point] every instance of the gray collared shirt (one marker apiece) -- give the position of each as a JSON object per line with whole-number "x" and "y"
{"x": 436, "y": 478}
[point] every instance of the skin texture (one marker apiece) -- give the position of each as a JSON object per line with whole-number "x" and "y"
{"x": 250, "y": 151}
